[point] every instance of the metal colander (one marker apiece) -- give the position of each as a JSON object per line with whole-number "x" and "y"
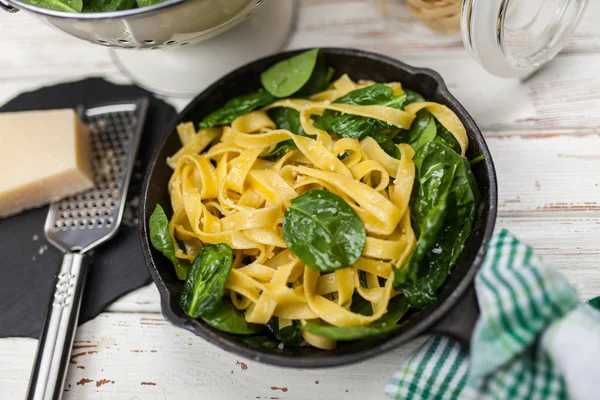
{"x": 169, "y": 24}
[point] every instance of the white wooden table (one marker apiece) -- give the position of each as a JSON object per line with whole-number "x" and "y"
{"x": 544, "y": 136}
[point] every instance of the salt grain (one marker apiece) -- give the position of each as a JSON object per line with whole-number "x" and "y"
{"x": 35, "y": 237}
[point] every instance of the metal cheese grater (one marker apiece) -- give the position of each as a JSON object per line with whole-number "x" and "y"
{"x": 78, "y": 224}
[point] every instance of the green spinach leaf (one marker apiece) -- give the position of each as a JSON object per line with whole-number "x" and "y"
{"x": 319, "y": 79}
{"x": 107, "y": 5}
{"x": 423, "y": 130}
{"x": 260, "y": 341}
{"x": 146, "y": 3}
{"x": 413, "y": 97}
{"x": 432, "y": 226}
{"x": 388, "y": 323}
{"x": 161, "y": 240}
{"x": 304, "y": 74}
{"x": 436, "y": 166}
{"x": 58, "y": 5}
{"x": 445, "y": 137}
{"x": 285, "y": 118}
{"x": 289, "y": 335}
{"x": 387, "y": 144}
{"x": 347, "y": 334}
{"x": 377, "y": 93}
{"x": 357, "y": 127}
{"x": 281, "y": 149}
{"x": 236, "y": 107}
{"x": 229, "y": 319}
{"x": 443, "y": 210}
{"x": 323, "y": 231}
{"x": 205, "y": 283}
{"x": 477, "y": 160}
{"x": 360, "y": 305}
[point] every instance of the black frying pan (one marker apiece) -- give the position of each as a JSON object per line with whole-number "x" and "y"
{"x": 455, "y": 311}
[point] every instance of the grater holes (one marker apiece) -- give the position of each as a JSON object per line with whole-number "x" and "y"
{"x": 171, "y": 42}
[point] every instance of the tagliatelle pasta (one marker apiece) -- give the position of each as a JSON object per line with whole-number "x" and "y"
{"x": 223, "y": 190}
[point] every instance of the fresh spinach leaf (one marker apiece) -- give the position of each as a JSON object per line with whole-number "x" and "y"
{"x": 423, "y": 130}
{"x": 304, "y": 73}
{"x": 388, "y": 323}
{"x": 397, "y": 308}
{"x": 436, "y": 166}
{"x": 377, "y": 93}
{"x": 319, "y": 79}
{"x": 229, "y": 319}
{"x": 357, "y": 127}
{"x": 360, "y": 305}
{"x": 323, "y": 231}
{"x": 107, "y": 5}
{"x": 445, "y": 137}
{"x": 161, "y": 240}
{"x": 205, "y": 283}
{"x": 429, "y": 234}
{"x": 287, "y": 118}
{"x": 350, "y": 333}
{"x": 477, "y": 160}
{"x": 58, "y": 5}
{"x": 281, "y": 149}
{"x": 260, "y": 341}
{"x": 387, "y": 144}
{"x": 413, "y": 97}
{"x": 146, "y": 3}
{"x": 443, "y": 211}
{"x": 289, "y": 335}
{"x": 236, "y": 107}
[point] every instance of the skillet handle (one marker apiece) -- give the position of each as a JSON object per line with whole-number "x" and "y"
{"x": 459, "y": 323}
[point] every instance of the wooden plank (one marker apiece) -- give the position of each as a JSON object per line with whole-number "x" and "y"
{"x": 119, "y": 356}
{"x": 547, "y": 172}
{"x": 554, "y": 98}
{"x": 570, "y": 244}
{"x": 359, "y": 24}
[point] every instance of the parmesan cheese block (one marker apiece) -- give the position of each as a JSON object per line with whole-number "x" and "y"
{"x": 44, "y": 156}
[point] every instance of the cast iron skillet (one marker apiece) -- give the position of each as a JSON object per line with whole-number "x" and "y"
{"x": 455, "y": 311}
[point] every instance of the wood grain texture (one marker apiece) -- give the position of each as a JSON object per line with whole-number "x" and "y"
{"x": 554, "y": 98}
{"x": 129, "y": 356}
{"x": 359, "y": 24}
{"x": 544, "y": 135}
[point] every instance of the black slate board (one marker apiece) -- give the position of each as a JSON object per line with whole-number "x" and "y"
{"x": 27, "y": 268}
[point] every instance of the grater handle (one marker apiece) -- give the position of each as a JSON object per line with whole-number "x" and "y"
{"x": 54, "y": 347}
{"x": 6, "y": 6}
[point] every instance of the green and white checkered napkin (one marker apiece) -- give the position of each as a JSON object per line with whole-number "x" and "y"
{"x": 533, "y": 340}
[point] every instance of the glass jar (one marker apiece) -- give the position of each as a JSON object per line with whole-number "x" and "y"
{"x": 509, "y": 38}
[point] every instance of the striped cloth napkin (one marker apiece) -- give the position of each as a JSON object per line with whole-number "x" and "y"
{"x": 533, "y": 340}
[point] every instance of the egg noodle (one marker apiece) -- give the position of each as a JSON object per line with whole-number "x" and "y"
{"x": 223, "y": 192}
